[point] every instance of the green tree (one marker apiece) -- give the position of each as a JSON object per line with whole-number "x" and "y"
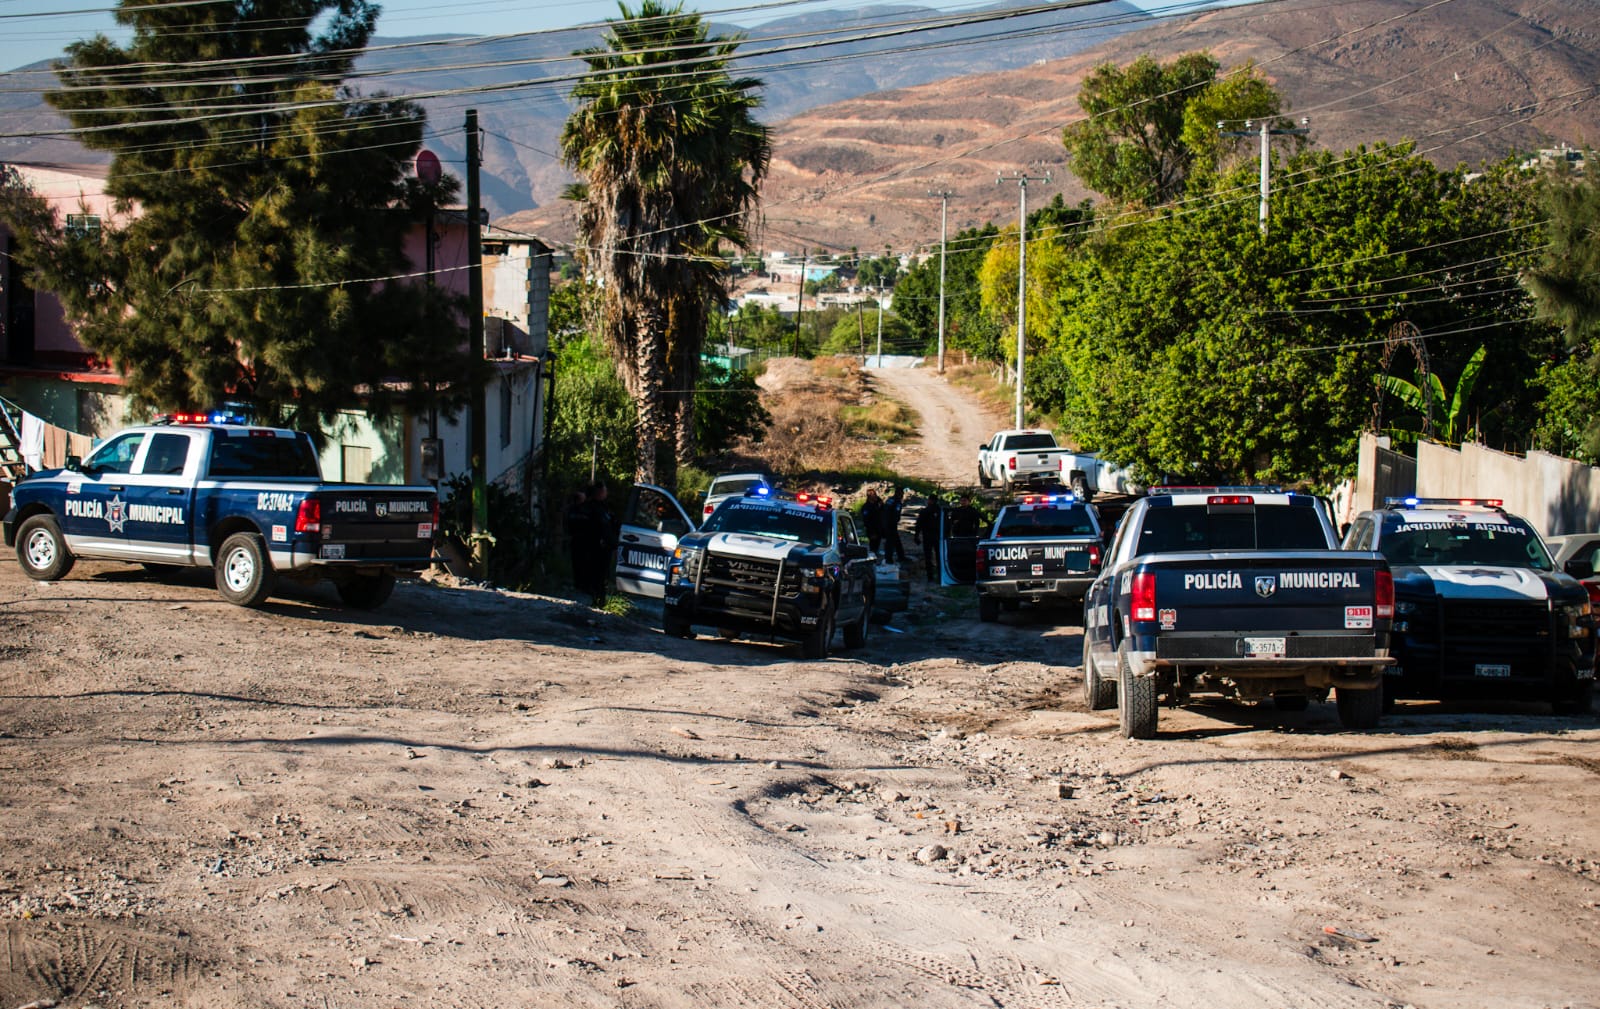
{"x": 858, "y": 329}
{"x": 1196, "y": 349}
{"x": 1430, "y": 400}
{"x": 727, "y": 407}
{"x": 670, "y": 156}
{"x": 1147, "y": 124}
{"x": 260, "y": 205}
{"x": 967, "y": 326}
{"x": 1565, "y": 285}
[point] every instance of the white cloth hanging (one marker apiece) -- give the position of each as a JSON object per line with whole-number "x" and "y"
{"x": 32, "y": 446}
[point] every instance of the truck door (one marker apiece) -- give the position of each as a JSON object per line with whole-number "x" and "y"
{"x": 93, "y": 515}
{"x": 652, "y": 524}
{"x": 156, "y": 499}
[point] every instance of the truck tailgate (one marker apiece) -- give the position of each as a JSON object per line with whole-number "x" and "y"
{"x": 1030, "y": 558}
{"x": 1300, "y": 591}
{"x": 363, "y": 523}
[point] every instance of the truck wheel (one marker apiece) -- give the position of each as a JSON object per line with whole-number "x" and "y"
{"x": 856, "y": 634}
{"x": 815, "y": 643}
{"x": 988, "y": 609}
{"x": 674, "y": 626}
{"x": 366, "y": 592}
{"x": 1080, "y": 487}
{"x": 1136, "y": 700}
{"x": 1359, "y": 710}
{"x": 983, "y": 478}
{"x": 1099, "y": 694}
{"x": 42, "y": 551}
{"x": 244, "y": 572}
{"x": 1579, "y": 701}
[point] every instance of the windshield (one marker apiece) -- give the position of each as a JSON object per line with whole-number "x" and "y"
{"x": 761, "y": 519}
{"x": 1017, "y": 441}
{"x": 1201, "y": 527}
{"x": 1045, "y": 522}
{"x": 733, "y": 485}
{"x": 1500, "y": 544}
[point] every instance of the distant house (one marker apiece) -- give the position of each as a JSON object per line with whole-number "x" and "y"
{"x": 47, "y": 372}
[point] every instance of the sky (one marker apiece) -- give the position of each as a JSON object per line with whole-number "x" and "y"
{"x": 34, "y": 30}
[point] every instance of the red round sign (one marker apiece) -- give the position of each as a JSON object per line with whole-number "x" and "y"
{"x": 427, "y": 167}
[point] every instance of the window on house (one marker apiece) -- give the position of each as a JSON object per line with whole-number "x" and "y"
{"x": 83, "y": 226}
{"x": 355, "y": 463}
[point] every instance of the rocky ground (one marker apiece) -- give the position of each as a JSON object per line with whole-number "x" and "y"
{"x": 474, "y": 798}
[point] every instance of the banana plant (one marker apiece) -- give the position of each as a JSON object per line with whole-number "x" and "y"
{"x": 1451, "y": 408}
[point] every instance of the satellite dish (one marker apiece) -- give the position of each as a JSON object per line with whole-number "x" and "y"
{"x": 427, "y": 167}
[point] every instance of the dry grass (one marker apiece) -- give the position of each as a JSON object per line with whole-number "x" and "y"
{"x": 828, "y": 429}
{"x": 984, "y": 381}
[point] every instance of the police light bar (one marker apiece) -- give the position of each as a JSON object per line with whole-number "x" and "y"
{"x": 1048, "y": 499}
{"x": 213, "y": 417}
{"x": 759, "y": 490}
{"x": 820, "y": 500}
{"x": 1448, "y": 502}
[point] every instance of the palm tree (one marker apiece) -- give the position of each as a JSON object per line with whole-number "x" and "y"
{"x": 1430, "y": 399}
{"x": 670, "y": 159}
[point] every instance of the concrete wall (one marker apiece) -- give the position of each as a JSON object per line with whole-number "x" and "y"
{"x": 1558, "y": 496}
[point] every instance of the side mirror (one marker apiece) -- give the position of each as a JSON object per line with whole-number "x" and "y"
{"x": 854, "y": 551}
{"x": 74, "y": 464}
{"x": 1344, "y": 531}
{"x": 1579, "y": 568}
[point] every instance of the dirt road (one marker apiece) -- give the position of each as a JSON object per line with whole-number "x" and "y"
{"x": 953, "y": 424}
{"x": 484, "y": 799}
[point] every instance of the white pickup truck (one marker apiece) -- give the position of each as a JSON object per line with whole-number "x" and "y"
{"x": 1031, "y": 458}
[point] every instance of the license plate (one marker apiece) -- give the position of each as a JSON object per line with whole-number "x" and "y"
{"x": 1258, "y": 648}
{"x": 1491, "y": 670}
{"x": 331, "y": 552}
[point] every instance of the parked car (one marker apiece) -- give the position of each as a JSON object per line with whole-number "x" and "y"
{"x": 1481, "y": 609}
{"x": 732, "y": 485}
{"x": 1578, "y": 554}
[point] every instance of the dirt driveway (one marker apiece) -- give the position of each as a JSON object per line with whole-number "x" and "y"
{"x": 478, "y": 799}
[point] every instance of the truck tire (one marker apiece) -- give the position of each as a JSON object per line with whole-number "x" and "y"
{"x": 244, "y": 571}
{"x": 1136, "y": 700}
{"x": 983, "y": 478}
{"x": 1099, "y": 694}
{"x": 856, "y": 634}
{"x": 1359, "y": 710}
{"x": 1579, "y": 700}
{"x": 814, "y": 645}
{"x": 1080, "y": 487}
{"x": 674, "y": 626}
{"x": 988, "y": 609}
{"x": 366, "y": 592}
{"x": 41, "y": 550}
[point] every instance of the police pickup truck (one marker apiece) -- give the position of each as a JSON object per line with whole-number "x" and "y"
{"x": 790, "y": 568}
{"x": 1238, "y": 591}
{"x": 1480, "y": 608}
{"x": 206, "y": 490}
{"x": 1044, "y": 548}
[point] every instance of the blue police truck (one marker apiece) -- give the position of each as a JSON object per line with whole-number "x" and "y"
{"x": 206, "y": 490}
{"x": 1238, "y": 591}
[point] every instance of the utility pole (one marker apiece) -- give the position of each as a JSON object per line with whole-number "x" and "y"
{"x": 944, "y": 205}
{"x": 861, "y": 334}
{"x": 800, "y": 300}
{"x": 1266, "y": 132}
{"x": 1022, "y": 179}
{"x": 880, "y": 327}
{"x": 479, "y": 445}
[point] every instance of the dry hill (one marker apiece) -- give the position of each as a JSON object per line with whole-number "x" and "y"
{"x": 1469, "y": 79}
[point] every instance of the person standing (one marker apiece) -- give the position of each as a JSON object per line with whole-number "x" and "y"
{"x": 872, "y": 520}
{"x": 963, "y": 519}
{"x": 926, "y": 532}
{"x": 601, "y": 539}
{"x": 575, "y": 522}
{"x": 894, "y": 551}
